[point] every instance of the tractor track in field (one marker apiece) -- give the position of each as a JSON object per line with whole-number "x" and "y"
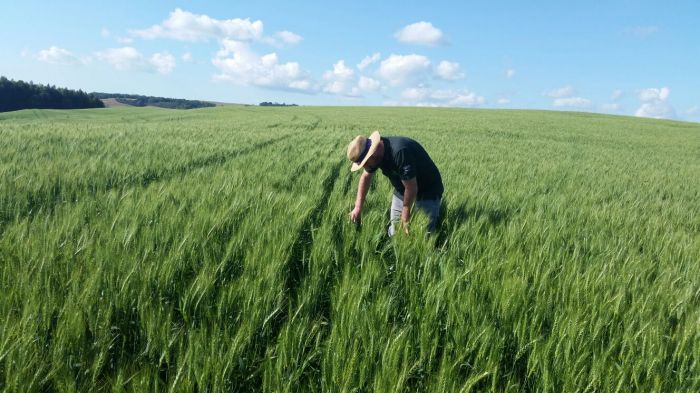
{"x": 301, "y": 248}
{"x": 300, "y": 251}
{"x": 142, "y": 180}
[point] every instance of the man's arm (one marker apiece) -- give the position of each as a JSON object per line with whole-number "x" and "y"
{"x": 362, "y": 189}
{"x": 409, "y": 197}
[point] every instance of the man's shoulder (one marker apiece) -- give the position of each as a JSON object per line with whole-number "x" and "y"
{"x": 400, "y": 142}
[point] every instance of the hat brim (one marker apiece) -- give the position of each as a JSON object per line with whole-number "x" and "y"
{"x": 375, "y": 138}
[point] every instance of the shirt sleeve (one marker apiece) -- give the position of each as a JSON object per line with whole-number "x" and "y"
{"x": 406, "y": 164}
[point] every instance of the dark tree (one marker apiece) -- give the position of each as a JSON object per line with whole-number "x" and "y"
{"x": 16, "y": 95}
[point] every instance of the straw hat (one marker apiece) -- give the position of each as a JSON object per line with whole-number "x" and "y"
{"x": 361, "y": 149}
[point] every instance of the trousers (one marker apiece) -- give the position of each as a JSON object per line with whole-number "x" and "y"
{"x": 430, "y": 206}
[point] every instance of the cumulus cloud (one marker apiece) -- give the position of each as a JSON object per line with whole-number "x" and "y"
{"x": 129, "y": 59}
{"x": 164, "y": 63}
{"x": 421, "y": 33}
{"x": 693, "y": 111}
{"x": 424, "y": 96}
{"x": 124, "y": 40}
{"x": 239, "y": 64}
{"x": 654, "y": 104}
{"x": 123, "y": 59}
{"x": 368, "y": 60}
{"x": 564, "y": 97}
{"x": 449, "y": 71}
{"x": 56, "y": 55}
{"x": 510, "y": 73}
{"x": 650, "y": 95}
{"x": 338, "y": 79}
{"x": 368, "y": 84}
{"x": 186, "y": 26}
{"x": 572, "y": 102}
{"x": 398, "y": 69}
{"x": 105, "y": 32}
{"x": 288, "y": 37}
{"x": 415, "y": 93}
{"x": 561, "y": 92}
{"x": 503, "y": 101}
{"x": 339, "y": 72}
{"x": 187, "y": 57}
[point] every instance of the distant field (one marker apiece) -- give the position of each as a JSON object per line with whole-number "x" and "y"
{"x": 112, "y": 103}
{"x": 210, "y": 250}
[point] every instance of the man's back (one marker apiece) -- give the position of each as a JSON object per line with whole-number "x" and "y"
{"x": 404, "y": 159}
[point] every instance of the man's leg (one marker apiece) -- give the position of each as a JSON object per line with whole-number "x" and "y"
{"x": 432, "y": 208}
{"x": 394, "y": 214}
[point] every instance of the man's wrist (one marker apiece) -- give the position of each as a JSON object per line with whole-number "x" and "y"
{"x": 405, "y": 215}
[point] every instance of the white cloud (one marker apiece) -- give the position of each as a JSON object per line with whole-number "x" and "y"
{"x": 449, "y": 71}
{"x": 368, "y": 84}
{"x": 503, "y": 101}
{"x": 339, "y": 72}
{"x": 368, "y": 60}
{"x": 123, "y": 59}
{"x": 288, "y": 37}
{"x": 398, "y": 69}
{"x": 239, "y": 64}
{"x": 467, "y": 98}
{"x": 415, "y": 93}
{"x": 654, "y": 104}
{"x": 510, "y": 73}
{"x": 164, "y": 63}
{"x": 56, "y": 55}
{"x": 130, "y": 59}
{"x": 660, "y": 110}
{"x": 422, "y": 33}
{"x": 105, "y": 32}
{"x": 124, "y": 40}
{"x": 562, "y": 92}
{"x": 334, "y": 87}
{"x": 564, "y": 97}
{"x": 338, "y": 78}
{"x": 186, "y": 26}
{"x": 651, "y": 95}
{"x": 423, "y": 96}
{"x": 572, "y": 102}
{"x": 693, "y": 111}
{"x": 187, "y": 57}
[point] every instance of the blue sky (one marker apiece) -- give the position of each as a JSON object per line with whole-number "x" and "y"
{"x": 621, "y": 57}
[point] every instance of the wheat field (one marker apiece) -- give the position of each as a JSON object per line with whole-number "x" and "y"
{"x": 208, "y": 250}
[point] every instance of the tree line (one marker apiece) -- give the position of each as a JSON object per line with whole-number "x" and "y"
{"x": 162, "y": 102}
{"x": 16, "y": 95}
{"x": 266, "y": 103}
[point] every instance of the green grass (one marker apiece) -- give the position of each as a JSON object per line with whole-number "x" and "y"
{"x": 210, "y": 250}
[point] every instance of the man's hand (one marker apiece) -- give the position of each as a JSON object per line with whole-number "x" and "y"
{"x": 355, "y": 214}
{"x": 409, "y": 197}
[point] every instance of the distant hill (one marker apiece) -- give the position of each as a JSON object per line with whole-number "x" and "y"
{"x": 267, "y": 103}
{"x": 16, "y": 95}
{"x": 118, "y": 99}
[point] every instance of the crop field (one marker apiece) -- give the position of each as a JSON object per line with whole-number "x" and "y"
{"x": 146, "y": 249}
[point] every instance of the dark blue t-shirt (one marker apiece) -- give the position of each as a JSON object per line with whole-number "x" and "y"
{"x": 405, "y": 159}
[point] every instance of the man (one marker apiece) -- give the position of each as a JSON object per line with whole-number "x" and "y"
{"x": 408, "y": 166}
